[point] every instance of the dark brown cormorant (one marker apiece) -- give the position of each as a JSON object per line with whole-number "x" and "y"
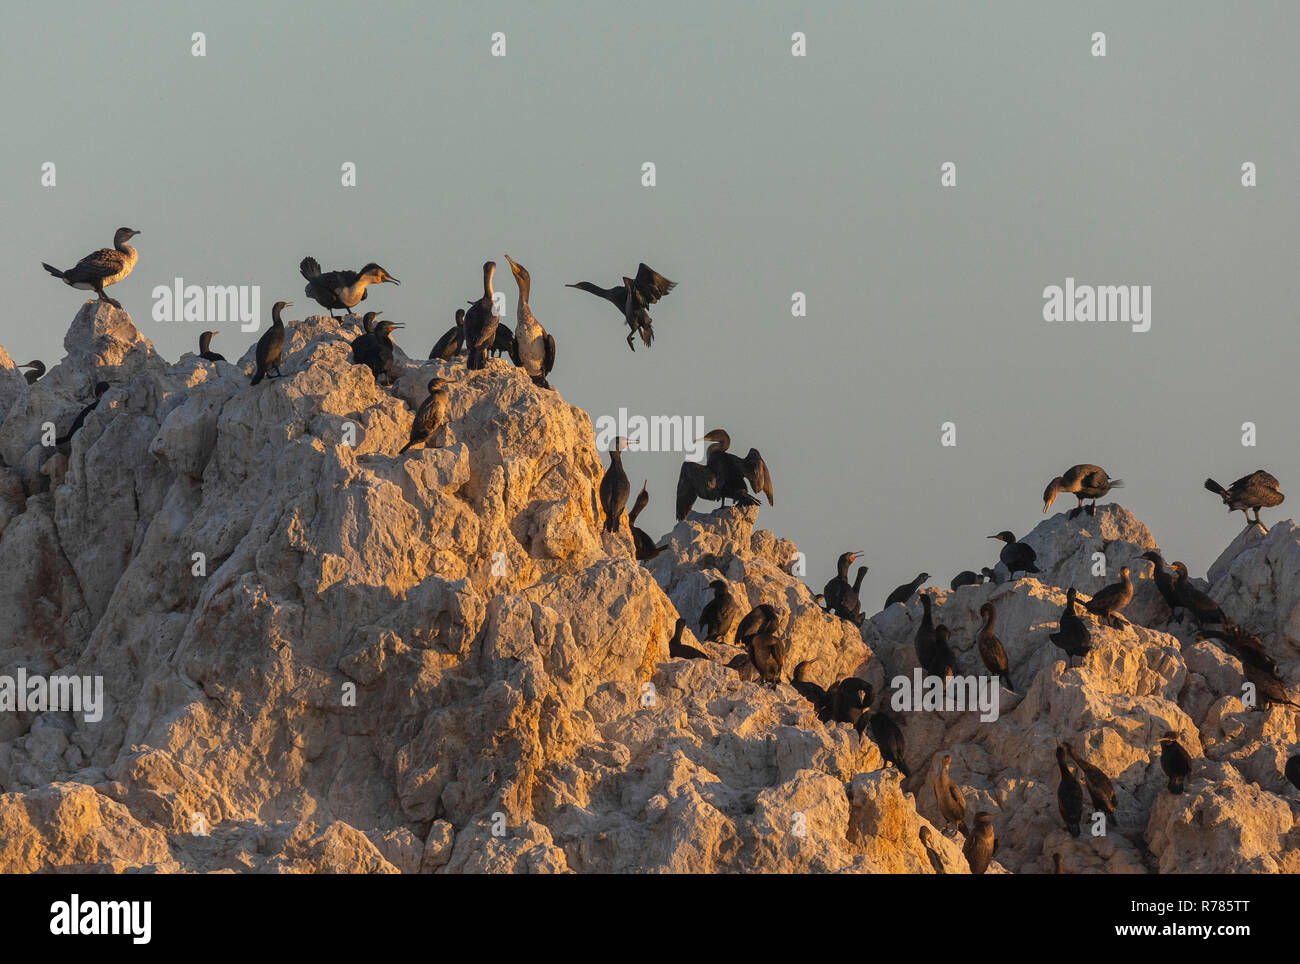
{"x": 1292, "y": 771}
{"x": 951, "y": 801}
{"x": 1164, "y": 582}
{"x": 1269, "y": 687}
{"x": 1200, "y": 604}
{"x": 449, "y": 345}
{"x": 270, "y": 347}
{"x": 205, "y": 347}
{"x": 1112, "y": 598}
{"x": 1100, "y": 789}
{"x": 1072, "y": 636}
{"x": 431, "y": 413}
{"x": 757, "y": 633}
{"x": 904, "y": 592}
{"x": 889, "y": 739}
{"x": 105, "y": 267}
{"x": 927, "y": 841}
{"x": 37, "y": 370}
{"x": 821, "y": 700}
{"x": 842, "y": 596}
{"x": 341, "y": 289}
{"x": 481, "y": 322}
{"x": 679, "y": 650}
{"x": 1256, "y": 491}
{"x": 80, "y": 420}
{"x": 502, "y": 341}
{"x": 374, "y": 349}
{"x": 722, "y": 476}
{"x": 632, "y": 297}
{"x": 1069, "y": 795}
{"x": 1175, "y": 761}
{"x": 1247, "y": 647}
{"x": 1083, "y": 482}
{"x": 981, "y": 845}
{"x": 614, "y": 487}
{"x": 932, "y": 650}
{"x": 852, "y": 697}
{"x": 992, "y": 652}
{"x": 644, "y": 547}
{"x": 968, "y": 578}
{"x": 720, "y": 614}
{"x": 532, "y": 348}
{"x": 1016, "y": 556}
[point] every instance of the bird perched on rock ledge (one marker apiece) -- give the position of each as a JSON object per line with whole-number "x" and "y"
{"x": 1083, "y": 482}
{"x": 98, "y": 270}
{"x": 1256, "y": 491}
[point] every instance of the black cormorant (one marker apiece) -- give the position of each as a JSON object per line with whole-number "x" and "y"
{"x": 431, "y": 413}
{"x": 644, "y": 547}
{"x": 889, "y": 739}
{"x": 757, "y": 633}
{"x": 842, "y": 596}
{"x": 632, "y": 297}
{"x": 1256, "y": 491}
{"x": 270, "y": 347}
{"x": 37, "y": 370}
{"x": 720, "y": 615}
{"x": 904, "y": 592}
{"x": 722, "y": 476}
{"x": 1110, "y": 599}
{"x": 679, "y": 650}
{"x": 1072, "y": 635}
{"x": 205, "y": 347}
{"x": 1200, "y": 604}
{"x": 449, "y": 345}
{"x": 852, "y": 697}
{"x": 1083, "y": 482}
{"x": 532, "y": 348}
{"x": 969, "y": 578}
{"x": 481, "y": 322}
{"x": 1069, "y": 795}
{"x": 100, "y": 389}
{"x": 1016, "y": 556}
{"x": 1292, "y": 771}
{"x": 614, "y": 487}
{"x": 1164, "y": 582}
{"x": 992, "y": 652}
{"x": 374, "y": 349}
{"x": 981, "y": 845}
{"x": 341, "y": 289}
{"x": 1100, "y": 789}
{"x": 105, "y": 267}
{"x": 1175, "y": 761}
{"x": 1247, "y": 647}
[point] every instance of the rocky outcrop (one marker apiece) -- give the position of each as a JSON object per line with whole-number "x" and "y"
{"x": 318, "y": 656}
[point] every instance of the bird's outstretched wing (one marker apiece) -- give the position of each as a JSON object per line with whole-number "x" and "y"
{"x": 310, "y": 268}
{"x": 760, "y": 480}
{"x": 651, "y": 284}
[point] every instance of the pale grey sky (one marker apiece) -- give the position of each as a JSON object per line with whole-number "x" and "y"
{"x": 775, "y": 174}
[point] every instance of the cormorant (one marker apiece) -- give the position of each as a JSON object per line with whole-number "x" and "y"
{"x": 991, "y": 649}
{"x": 270, "y": 347}
{"x": 720, "y": 614}
{"x": 1057, "y": 866}
{"x": 632, "y": 297}
{"x": 1247, "y": 647}
{"x": 1269, "y": 687}
{"x": 205, "y": 347}
{"x": 481, "y": 322}
{"x": 374, "y": 349}
{"x": 1083, "y": 482}
{"x": 981, "y": 845}
{"x": 932, "y": 650}
{"x": 449, "y": 345}
{"x": 1175, "y": 761}
{"x": 842, "y": 597}
{"x": 852, "y": 697}
{"x": 1100, "y": 789}
{"x": 951, "y": 801}
{"x": 1069, "y": 795}
{"x": 1256, "y": 491}
{"x": 968, "y": 578}
{"x": 1016, "y": 556}
{"x": 533, "y": 348}
{"x": 643, "y": 545}
{"x": 889, "y": 739}
{"x": 105, "y": 267}
{"x": 722, "y": 476}
{"x": 757, "y": 632}
{"x": 614, "y": 487}
{"x": 431, "y": 413}
{"x": 341, "y": 289}
{"x": 1292, "y": 771}
{"x": 820, "y": 699}
{"x": 80, "y": 420}
{"x": 1072, "y": 636}
{"x": 679, "y": 650}
{"x": 37, "y": 370}
{"x": 1200, "y": 604}
{"x": 502, "y": 341}
{"x": 904, "y": 592}
{"x": 1164, "y": 582}
{"x": 1112, "y": 598}
{"x": 936, "y": 862}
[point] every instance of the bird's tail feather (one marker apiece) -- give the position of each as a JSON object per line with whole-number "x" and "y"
{"x": 257, "y": 376}
{"x": 1217, "y": 489}
{"x": 53, "y": 270}
{"x": 310, "y": 268}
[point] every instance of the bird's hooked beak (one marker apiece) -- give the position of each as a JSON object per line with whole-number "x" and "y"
{"x": 1048, "y": 504}
{"x": 990, "y": 537}
{"x": 513, "y": 266}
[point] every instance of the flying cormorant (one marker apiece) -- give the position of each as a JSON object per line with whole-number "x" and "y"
{"x": 904, "y": 592}
{"x": 1083, "y": 482}
{"x": 1164, "y": 582}
{"x": 341, "y": 289}
{"x": 722, "y": 476}
{"x": 533, "y": 348}
{"x": 720, "y": 614}
{"x": 1016, "y": 556}
{"x": 1069, "y": 795}
{"x": 1100, "y": 789}
{"x": 205, "y": 347}
{"x": 981, "y": 845}
{"x": 1256, "y": 491}
{"x": 679, "y": 650}
{"x": 614, "y": 487}
{"x": 1112, "y": 598}
{"x": 1175, "y": 761}
{"x": 481, "y": 322}
{"x": 1072, "y": 636}
{"x": 449, "y": 345}
{"x": 842, "y": 596}
{"x": 968, "y": 578}
{"x": 37, "y": 370}
{"x": 105, "y": 267}
{"x": 1200, "y": 604}
{"x": 431, "y": 413}
{"x": 992, "y": 652}
{"x": 270, "y": 347}
{"x": 632, "y": 297}
{"x": 80, "y": 420}
{"x": 644, "y": 547}
{"x": 374, "y": 349}
{"x": 951, "y": 801}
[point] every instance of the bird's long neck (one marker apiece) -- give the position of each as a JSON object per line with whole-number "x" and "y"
{"x": 523, "y": 282}
{"x": 205, "y": 340}
{"x": 275, "y": 316}
{"x": 857, "y": 583}
{"x": 990, "y": 618}
{"x": 613, "y": 294}
{"x": 487, "y": 283}
{"x": 843, "y": 567}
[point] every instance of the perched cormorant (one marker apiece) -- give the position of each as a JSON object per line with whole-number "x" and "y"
{"x": 1100, "y": 789}
{"x": 1247, "y": 647}
{"x": 205, "y": 347}
{"x": 1110, "y": 599}
{"x": 1164, "y": 582}
{"x": 852, "y": 697}
{"x": 927, "y": 841}
{"x": 105, "y": 267}
{"x": 1269, "y": 687}
{"x": 502, "y": 341}
{"x": 341, "y": 289}
{"x": 374, "y": 349}
{"x": 1016, "y": 556}
{"x": 1256, "y": 491}
{"x": 722, "y": 476}
{"x": 270, "y": 347}
{"x": 757, "y": 633}
{"x": 842, "y": 596}
{"x": 80, "y": 420}
{"x": 904, "y": 592}
{"x": 1292, "y": 771}
{"x": 1175, "y": 761}
{"x": 1072, "y": 636}
{"x": 431, "y": 413}
{"x": 889, "y": 739}
{"x": 1083, "y": 482}
{"x": 37, "y": 370}
{"x": 614, "y": 487}
{"x": 821, "y": 700}
{"x": 1069, "y": 795}
{"x": 968, "y": 578}
{"x": 981, "y": 845}
{"x": 992, "y": 652}
{"x": 1200, "y": 604}
{"x": 533, "y": 348}
{"x": 481, "y": 322}
{"x": 449, "y": 345}
{"x": 720, "y": 614}
{"x": 951, "y": 801}
{"x": 632, "y": 297}
{"x": 679, "y": 650}
{"x": 932, "y": 650}
{"x": 642, "y": 544}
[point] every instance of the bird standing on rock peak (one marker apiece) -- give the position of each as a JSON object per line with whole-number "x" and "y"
{"x": 205, "y": 347}
{"x": 1100, "y": 789}
{"x": 1083, "y": 482}
{"x": 644, "y": 547}
{"x": 722, "y": 476}
{"x": 270, "y": 347}
{"x": 992, "y": 652}
{"x": 1110, "y": 599}
{"x": 842, "y": 596}
{"x": 340, "y": 289}
{"x": 374, "y": 349}
{"x": 1200, "y": 604}
{"x": 1259, "y": 490}
{"x": 1016, "y": 556}
{"x": 981, "y": 845}
{"x": 1072, "y": 635}
{"x": 904, "y": 592}
{"x": 448, "y": 346}
{"x": 1175, "y": 761}
{"x": 614, "y": 487}
{"x": 720, "y": 614}
{"x": 431, "y": 413}
{"x": 532, "y": 348}
{"x": 102, "y": 268}
{"x": 951, "y": 801}
{"x": 481, "y": 322}
{"x": 37, "y": 370}
{"x": 632, "y": 297}
{"x": 1069, "y": 795}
